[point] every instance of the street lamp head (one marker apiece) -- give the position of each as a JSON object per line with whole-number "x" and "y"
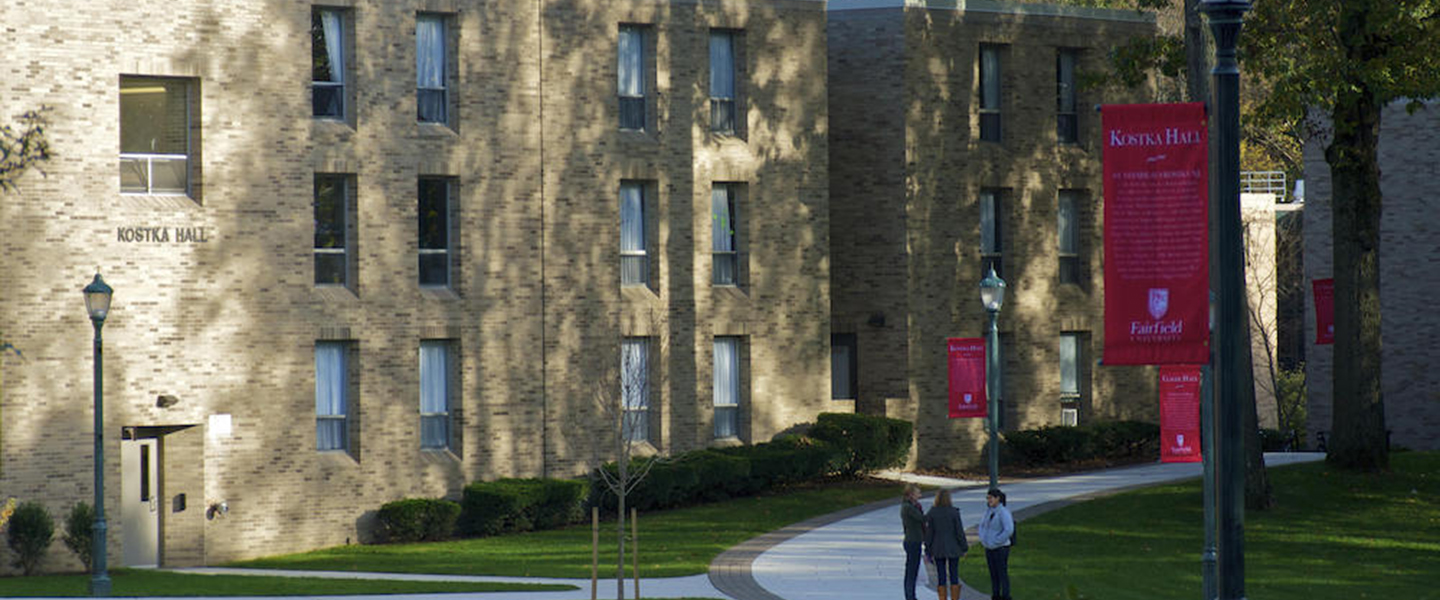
{"x": 992, "y": 291}
{"x": 97, "y": 299}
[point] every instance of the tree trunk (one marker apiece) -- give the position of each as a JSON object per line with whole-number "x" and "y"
{"x": 1258, "y": 494}
{"x": 1197, "y": 54}
{"x": 1357, "y": 431}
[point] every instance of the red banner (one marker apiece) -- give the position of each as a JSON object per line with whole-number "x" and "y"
{"x": 1179, "y": 413}
{"x": 967, "y": 377}
{"x": 1157, "y": 268}
{"x": 1324, "y": 310}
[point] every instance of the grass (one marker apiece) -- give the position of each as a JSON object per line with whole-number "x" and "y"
{"x": 1333, "y": 535}
{"x": 672, "y": 543}
{"x": 137, "y": 582}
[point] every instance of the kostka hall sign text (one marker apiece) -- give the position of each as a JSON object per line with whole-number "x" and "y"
{"x": 162, "y": 235}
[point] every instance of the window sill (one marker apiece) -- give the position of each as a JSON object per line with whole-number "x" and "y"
{"x": 726, "y": 442}
{"x": 642, "y": 449}
{"x": 337, "y": 458}
{"x": 335, "y": 293}
{"x": 333, "y": 126}
{"x": 441, "y": 293}
{"x": 436, "y": 131}
{"x": 441, "y": 456}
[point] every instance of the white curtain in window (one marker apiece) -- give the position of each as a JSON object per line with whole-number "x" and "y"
{"x": 727, "y": 387}
{"x": 635, "y": 389}
{"x": 632, "y": 233}
{"x": 989, "y": 243}
{"x": 1069, "y": 365}
{"x": 430, "y": 51}
{"x": 330, "y": 395}
{"x": 434, "y": 393}
{"x": 990, "y": 77}
{"x": 1067, "y": 223}
{"x": 722, "y": 222}
{"x": 722, "y": 65}
{"x": 330, "y": 21}
{"x": 632, "y": 62}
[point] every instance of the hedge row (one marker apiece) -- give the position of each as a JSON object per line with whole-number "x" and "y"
{"x": 868, "y": 443}
{"x": 509, "y": 505}
{"x": 1058, "y": 444}
{"x": 418, "y": 519}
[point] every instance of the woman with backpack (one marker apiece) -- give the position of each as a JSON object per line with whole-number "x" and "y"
{"x": 996, "y": 529}
{"x": 945, "y": 541}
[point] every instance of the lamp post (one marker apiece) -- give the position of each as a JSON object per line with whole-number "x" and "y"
{"x": 97, "y": 303}
{"x": 992, "y": 296}
{"x": 1225, "y": 18}
{"x": 1207, "y": 424}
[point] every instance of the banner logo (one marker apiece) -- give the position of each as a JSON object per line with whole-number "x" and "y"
{"x": 1159, "y": 302}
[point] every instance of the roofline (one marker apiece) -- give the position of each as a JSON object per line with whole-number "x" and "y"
{"x": 1000, "y": 7}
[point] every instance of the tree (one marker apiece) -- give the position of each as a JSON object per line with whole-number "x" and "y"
{"x": 23, "y": 147}
{"x": 1347, "y": 61}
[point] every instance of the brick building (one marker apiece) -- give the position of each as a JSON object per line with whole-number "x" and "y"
{"x": 1409, "y": 270}
{"x": 960, "y": 140}
{"x": 365, "y": 250}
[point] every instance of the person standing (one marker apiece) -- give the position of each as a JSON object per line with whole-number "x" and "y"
{"x": 995, "y": 530}
{"x": 946, "y": 543}
{"x": 912, "y": 519}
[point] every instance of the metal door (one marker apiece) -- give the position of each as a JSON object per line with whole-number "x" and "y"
{"x": 139, "y": 502}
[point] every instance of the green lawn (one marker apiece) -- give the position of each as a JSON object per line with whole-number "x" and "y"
{"x": 1333, "y": 535}
{"x": 672, "y": 543}
{"x": 133, "y": 582}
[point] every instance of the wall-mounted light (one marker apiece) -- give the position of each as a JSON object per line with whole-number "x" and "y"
{"x": 218, "y": 509}
{"x": 166, "y": 401}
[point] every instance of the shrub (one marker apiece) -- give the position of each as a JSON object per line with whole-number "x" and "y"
{"x": 418, "y": 519}
{"x": 31, "y": 530}
{"x": 507, "y": 505}
{"x": 870, "y": 443}
{"x": 1057, "y": 444}
{"x": 80, "y": 532}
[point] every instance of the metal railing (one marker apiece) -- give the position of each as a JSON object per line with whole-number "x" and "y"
{"x": 1263, "y": 182}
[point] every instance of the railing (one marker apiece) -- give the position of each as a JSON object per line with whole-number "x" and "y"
{"x": 154, "y": 174}
{"x": 1264, "y": 182}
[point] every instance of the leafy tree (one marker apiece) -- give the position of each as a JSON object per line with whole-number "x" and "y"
{"x": 1346, "y": 61}
{"x": 31, "y": 530}
{"x": 23, "y": 147}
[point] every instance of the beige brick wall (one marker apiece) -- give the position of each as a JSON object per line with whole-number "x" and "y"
{"x": 1409, "y": 147}
{"x": 228, "y": 325}
{"x": 904, "y": 200}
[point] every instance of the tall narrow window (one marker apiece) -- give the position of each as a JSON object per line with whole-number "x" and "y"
{"x": 635, "y": 389}
{"x": 1067, "y": 119}
{"x": 727, "y": 387}
{"x": 631, "y": 84}
{"x": 844, "y": 354}
{"x": 990, "y": 93}
{"x": 332, "y": 229}
{"x": 435, "y": 369}
{"x": 430, "y": 68}
{"x": 155, "y": 136}
{"x": 1068, "y": 228}
{"x": 327, "y": 62}
{"x": 1072, "y": 376}
{"x": 991, "y": 233}
{"x": 332, "y": 381}
{"x": 634, "y": 264}
{"x": 436, "y": 230}
{"x": 724, "y": 220}
{"x": 722, "y": 81}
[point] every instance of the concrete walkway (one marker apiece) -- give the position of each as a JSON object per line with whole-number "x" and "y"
{"x": 853, "y": 554}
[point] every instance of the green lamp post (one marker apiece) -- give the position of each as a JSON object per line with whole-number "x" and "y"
{"x": 992, "y": 296}
{"x": 97, "y": 303}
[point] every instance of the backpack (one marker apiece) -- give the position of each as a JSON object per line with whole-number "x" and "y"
{"x": 1015, "y": 528}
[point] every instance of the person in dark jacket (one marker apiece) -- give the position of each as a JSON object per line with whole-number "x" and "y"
{"x": 945, "y": 541}
{"x": 912, "y": 518}
{"x": 995, "y": 530}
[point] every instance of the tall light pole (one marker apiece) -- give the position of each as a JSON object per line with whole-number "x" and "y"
{"x": 97, "y": 303}
{"x": 992, "y": 295}
{"x": 1207, "y": 429}
{"x": 1226, "y": 17}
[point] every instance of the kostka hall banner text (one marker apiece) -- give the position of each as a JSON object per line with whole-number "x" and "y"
{"x": 1157, "y": 273}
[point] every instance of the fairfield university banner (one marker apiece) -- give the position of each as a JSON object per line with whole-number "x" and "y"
{"x": 967, "y": 377}
{"x": 1180, "y": 413}
{"x": 1324, "y": 310}
{"x": 1157, "y": 268}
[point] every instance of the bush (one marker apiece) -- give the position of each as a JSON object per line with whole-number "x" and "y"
{"x": 31, "y": 530}
{"x": 510, "y": 505}
{"x": 80, "y": 532}
{"x": 869, "y": 443}
{"x": 418, "y": 519}
{"x": 1118, "y": 440}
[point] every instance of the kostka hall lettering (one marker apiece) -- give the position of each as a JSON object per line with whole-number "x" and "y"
{"x": 162, "y": 235}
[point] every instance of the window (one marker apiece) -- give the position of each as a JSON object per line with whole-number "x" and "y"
{"x": 635, "y": 388}
{"x": 991, "y": 233}
{"x": 1068, "y": 229}
{"x": 435, "y": 396}
{"x": 844, "y": 352}
{"x": 1067, "y": 119}
{"x": 431, "y": 69}
{"x": 435, "y": 210}
{"x": 334, "y": 212}
{"x": 1073, "y": 376}
{"x": 634, "y": 262}
{"x": 722, "y": 81}
{"x": 327, "y": 62}
{"x": 724, "y": 221}
{"x": 332, "y": 391}
{"x": 727, "y": 387}
{"x": 156, "y": 141}
{"x": 990, "y": 93}
{"x": 631, "y": 84}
